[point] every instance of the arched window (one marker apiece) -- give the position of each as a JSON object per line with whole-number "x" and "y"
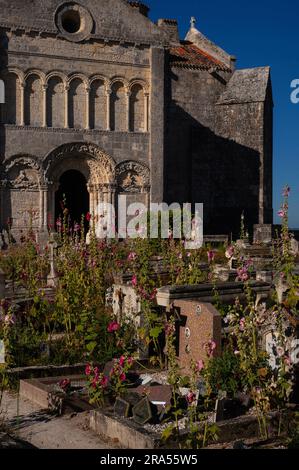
{"x": 55, "y": 103}
{"x": 77, "y": 104}
{"x": 118, "y": 112}
{"x": 11, "y": 108}
{"x": 97, "y": 117}
{"x": 33, "y": 104}
{"x": 137, "y": 123}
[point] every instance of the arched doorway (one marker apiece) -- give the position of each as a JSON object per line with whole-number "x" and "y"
{"x": 72, "y": 193}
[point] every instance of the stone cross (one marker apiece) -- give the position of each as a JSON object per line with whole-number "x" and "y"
{"x": 52, "y": 276}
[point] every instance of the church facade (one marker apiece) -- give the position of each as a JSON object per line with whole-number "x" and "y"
{"x": 100, "y": 101}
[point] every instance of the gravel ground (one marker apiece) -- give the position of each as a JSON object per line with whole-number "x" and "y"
{"x": 28, "y": 422}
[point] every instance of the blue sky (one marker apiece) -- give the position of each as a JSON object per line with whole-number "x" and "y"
{"x": 258, "y": 33}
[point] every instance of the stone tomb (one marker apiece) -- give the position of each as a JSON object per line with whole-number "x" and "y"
{"x": 199, "y": 323}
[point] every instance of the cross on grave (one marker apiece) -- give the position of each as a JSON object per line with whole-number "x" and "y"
{"x": 52, "y": 276}
{"x": 198, "y": 324}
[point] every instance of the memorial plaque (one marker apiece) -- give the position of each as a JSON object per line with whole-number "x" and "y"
{"x": 142, "y": 412}
{"x": 122, "y": 408}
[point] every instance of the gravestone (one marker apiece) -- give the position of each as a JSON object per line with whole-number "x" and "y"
{"x": 142, "y": 412}
{"x": 52, "y": 277}
{"x": 262, "y": 234}
{"x": 122, "y": 407}
{"x": 126, "y": 307}
{"x": 199, "y": 324}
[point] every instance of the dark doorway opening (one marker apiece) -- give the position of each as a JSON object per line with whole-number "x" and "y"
{"x": 73, "y": 195}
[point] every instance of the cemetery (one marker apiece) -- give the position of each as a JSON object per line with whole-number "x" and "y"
{"x": 160, "y": 347}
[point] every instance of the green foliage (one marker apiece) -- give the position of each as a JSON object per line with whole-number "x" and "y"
{"x": 224, "y": 373}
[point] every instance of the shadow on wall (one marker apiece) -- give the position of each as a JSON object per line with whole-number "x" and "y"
{"x": 201, "y": 167}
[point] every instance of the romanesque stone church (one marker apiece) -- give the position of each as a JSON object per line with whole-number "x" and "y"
{"x": 101, "y": 101}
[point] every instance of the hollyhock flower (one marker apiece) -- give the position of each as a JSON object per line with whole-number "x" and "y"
{"x": 242, "y": 324}
{"x": 191, "y": 398}
{"x": 122, "y": 377}
{"x": 280, "y": 351}
{"x": 104, "y": 382}
{"x": 58, "y": 223}
{"x": 88, "y": 370}
{"x": 281, "y": 213}
{"x": 210, "y": 348}
{"x": 211, "y": 256}
{"x": 134, "y": 281}
{"x": 200, "y": 366}
{"x": 130, "y": 361}
{"x": 132, "y": 256}
{"x": 287, "y": 361}
{"x": 88, "y": 217}
{"x": 188, "y": 255}
{"x": 286, "y": 191}
{"x": 169, "y": 329}
{"x": 230, "y": 252}
{"x": 9, "y": 319}
{"x": 153, "y": 294}
{"x": 76, "y": 228}
{"x": 113, "y": 326}
{"x": 122, "y": 361}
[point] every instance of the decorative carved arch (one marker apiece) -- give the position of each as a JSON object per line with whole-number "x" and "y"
{"x": 119, "y": 79}
{"x": 56, "y": 74}
{"x": 78, "y": 76}
{"x": 101, "y": 78}
{"x": 38, "y": 73}
{"x": 97, "y": 166}
{"x": 140, "y": 82}
{"x": 14, "y": 70}
{"x": 132, "y": 177}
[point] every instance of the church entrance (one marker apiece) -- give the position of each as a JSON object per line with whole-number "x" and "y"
{"x": 72, "y": 193}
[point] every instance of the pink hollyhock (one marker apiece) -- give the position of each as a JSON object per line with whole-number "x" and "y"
{"x": 104, "y": 382}
{"x": 113, "y": 327}
{"x": 122, "y": 361}
{"x": 88, "y": 217}
{"x": 211, "y": 255}
{"x": 132, "y": 256}
{"x": 210, "y": 348}
{"x": 191, "y": 398}
{"x": 230, "y": 252}
{"x": 130, "y": 361}
{"x": 122, "y": 377}
{"x": 242, "y": 324}
{"x": 134, "y": 280}
{"x": 281, "y": 214}
{"x": 200, "y": 365}
{"x": 88, "y": 370}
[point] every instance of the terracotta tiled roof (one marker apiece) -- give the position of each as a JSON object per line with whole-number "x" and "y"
{"x": 188, "y": 55}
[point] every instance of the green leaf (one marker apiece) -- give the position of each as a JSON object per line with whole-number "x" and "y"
{"x": 155, "y": 332}
{"x": 91, "y": 346}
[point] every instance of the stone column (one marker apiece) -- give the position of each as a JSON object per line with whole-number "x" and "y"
{"x": 128, "y": 94}
{"x": 41, "y": 208}
{"x": 45, "y": 209}
{"x": 44, "y": 88}
{"x": 88, "y": 107}
{"x": 22, "y": 104}
{"x": 66, "y": 106}
{"x": 108, "y": 116}
{"x": 146, "y": 97}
